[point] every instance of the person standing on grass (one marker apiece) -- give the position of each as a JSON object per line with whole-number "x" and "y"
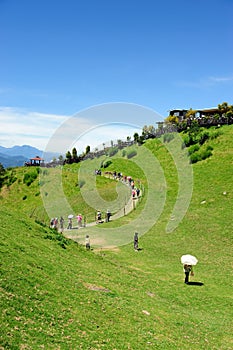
{"x": 188, "y": 269}
{"x": 136, "y": 241}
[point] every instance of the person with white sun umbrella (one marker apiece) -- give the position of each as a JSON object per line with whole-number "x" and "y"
{"x": 188, "y": 262}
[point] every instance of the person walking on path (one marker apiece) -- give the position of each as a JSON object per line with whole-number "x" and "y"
{"x": 87, "y": 243}
{"x": 79, "y": 220}
{"x": 69, "y": 224}
{"x": 62, "y": 223}
{"x": 108, "y": 215}
{"x": 54, "y": 223}
{"x": 98, "y": 217}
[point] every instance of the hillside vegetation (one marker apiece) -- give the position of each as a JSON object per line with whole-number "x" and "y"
{"x": 57, "y": 295}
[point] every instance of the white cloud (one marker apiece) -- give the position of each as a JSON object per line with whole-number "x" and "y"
{"x": 20, "y": 127}
{"x": 58, "y": 133}
{"x": 221, "y": 79}
{"x": 204, "y": 82}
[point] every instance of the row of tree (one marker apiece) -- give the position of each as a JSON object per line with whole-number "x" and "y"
{"x": 171, "y": 123}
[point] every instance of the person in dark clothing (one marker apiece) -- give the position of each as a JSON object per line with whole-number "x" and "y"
{"x": 136, "y": 241}
{"x": 108, "y": 215}
{"x": 187, "y": 270}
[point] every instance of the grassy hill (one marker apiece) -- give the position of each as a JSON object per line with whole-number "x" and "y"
{"x": 57, "y": 295}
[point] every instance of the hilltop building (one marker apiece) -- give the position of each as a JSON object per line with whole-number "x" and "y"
{"x": 36, "y": 161}
{"x": 199, "y": 113}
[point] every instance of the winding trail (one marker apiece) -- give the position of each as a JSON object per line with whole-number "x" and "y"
{"x": 78, "y": 234}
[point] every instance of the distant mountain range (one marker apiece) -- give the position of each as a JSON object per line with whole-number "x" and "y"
{"x": 17, "y": 155}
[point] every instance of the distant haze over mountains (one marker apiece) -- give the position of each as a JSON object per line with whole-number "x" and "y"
{"x": 17, "y": 155}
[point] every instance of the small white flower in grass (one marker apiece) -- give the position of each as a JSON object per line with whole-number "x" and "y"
{"x": 146, "y": 312}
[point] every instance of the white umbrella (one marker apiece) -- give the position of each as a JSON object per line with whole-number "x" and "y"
{"x": 189, "y": 259}
{"x": 70, "y": 216}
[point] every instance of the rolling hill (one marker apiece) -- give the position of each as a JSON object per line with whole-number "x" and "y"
{"x": 57, "y": 295}
{"x": 12, "y": 161}
{"x": 25, "y": 151}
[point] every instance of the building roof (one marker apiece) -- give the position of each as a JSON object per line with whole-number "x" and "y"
{"x": 209, "y": 110}
{"x": 37, "y": 158}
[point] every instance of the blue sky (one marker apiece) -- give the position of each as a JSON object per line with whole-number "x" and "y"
{"x": 61, "y": 57}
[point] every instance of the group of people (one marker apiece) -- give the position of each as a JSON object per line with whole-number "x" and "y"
{"x": 56, "y": 224}
{"x": 188, "y": 269}
{"x": 79, "y": 219}
{"x": 99, "y": 218}
{"x": 129, "y": 181}
{"x": 136, "y": 192}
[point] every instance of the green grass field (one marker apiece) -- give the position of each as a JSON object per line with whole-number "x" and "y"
{"x": 57, "y": 295}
